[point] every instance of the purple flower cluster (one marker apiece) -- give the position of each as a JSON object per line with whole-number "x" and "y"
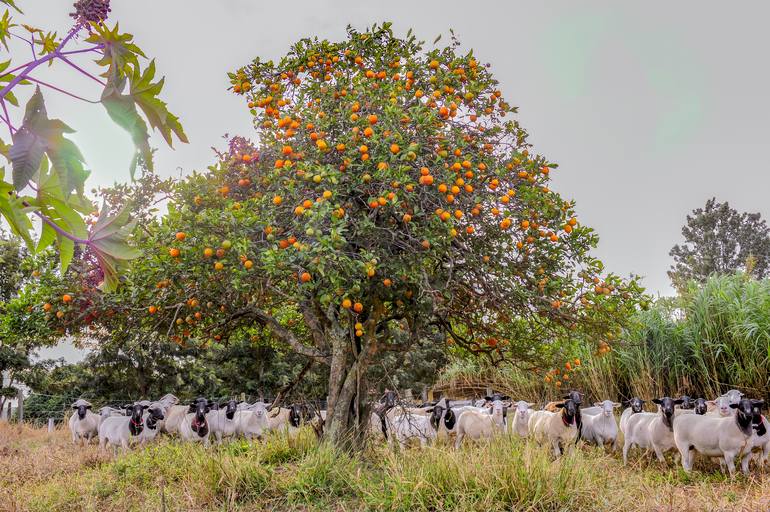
{"x": 91, "y": 11}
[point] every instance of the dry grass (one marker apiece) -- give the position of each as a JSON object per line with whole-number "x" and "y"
{"x": 47, "y": 473}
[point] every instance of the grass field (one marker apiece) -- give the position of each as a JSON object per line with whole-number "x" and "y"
{"x": 45, "y": 472}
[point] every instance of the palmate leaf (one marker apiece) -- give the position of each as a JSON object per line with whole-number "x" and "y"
{"x": 145, "y": 94}
{"x": 11, "y": 209}
{"x": 122, "y": 109}
{"x": 39, "y": 135}
{"x": 5, "y": 27}
{"x": 107, "y": 240}
{"x": 119, "y": 51}
{"x": 48, "y": 44}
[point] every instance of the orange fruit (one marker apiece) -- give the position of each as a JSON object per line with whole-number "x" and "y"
{"x": 152, "y": 310}
{"x": 305, "y": 277}
{"x": 425, "y": 244}
{"x": 358, "y": 307}
{"x": 248, "y": 264}
{"x": 219, "y": 265}
{"x": 346, "y": 303}
{"x": 181, "y": 236}
{"x": 407, "y": 217}
{"x": 372, "y": 119}
{"x": 277, "y": 200}
{"x": 387, "y": 282}
{"x": 286, "y": 150}
{"x": 174, "y": 252}
{"x": 394, "y": 148}
{"x": 47, "y": 307}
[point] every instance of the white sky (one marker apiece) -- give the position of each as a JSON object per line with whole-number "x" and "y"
{"x": 650, "y": 108}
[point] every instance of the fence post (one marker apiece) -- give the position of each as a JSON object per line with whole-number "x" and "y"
{"x": 243, "y": 397}
{"x": 8, "y": 414}
{"x": 50, "y": 425}
{"x": 20, "y": 396}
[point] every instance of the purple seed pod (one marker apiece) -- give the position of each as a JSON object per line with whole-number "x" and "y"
{"x": 91, "y": 11}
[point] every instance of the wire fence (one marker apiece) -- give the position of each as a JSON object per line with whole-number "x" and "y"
{"x": 40, "y": 408}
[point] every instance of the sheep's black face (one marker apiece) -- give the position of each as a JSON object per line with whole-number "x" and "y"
{"x": 701, "y": 406}
{"x": 435, "y": 416}
{"x": 450, "y": 418}
{"x": 637, "y": 405}
{"x": 687, "y": 402}
{"x": 82, "y": 410}
{"x": 744, "y": 410}
{"x": 389, "y": 398}
{"x": 230, "y": 409}
{"x": 667, "y": 408}
{"x": 156, "y": 414}
{"x": 759, "y": 425}
{"x": 569, "y": 411}
{"x": 295, "y": 415}
{"x": 575, "y": 396}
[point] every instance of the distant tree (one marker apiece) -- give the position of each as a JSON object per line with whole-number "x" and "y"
{"x": 720, "y": 240}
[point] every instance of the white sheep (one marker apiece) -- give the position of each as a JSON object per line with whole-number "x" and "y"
{"x": 174, "y": 417}
{"x": 759, "y": 440}
{"x": 652, "y": 430}
{"x": 635, "y": 405}
{"x": 406, "y": 427}
{"x": 557, "y": 428}
{"x": 83, "y": 424}
{"x": 601, "y": 429}
{"x": 222, "y": 422}
{"x": 520, "y": 423}
{"x": 195, "y": 427}
{"x": 252, "y": 421}
{"x": 122, "y": 430}
{"x": 724, "y": 437}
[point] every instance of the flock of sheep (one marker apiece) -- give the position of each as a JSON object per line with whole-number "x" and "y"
{"x": 722, "y": 429}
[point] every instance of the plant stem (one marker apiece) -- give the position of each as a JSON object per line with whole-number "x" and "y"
{"x": 7, "y": 118}
{"x": 56, "y": 227}
{"x": 60, "y": 90}
{"x": 89, "y": 75}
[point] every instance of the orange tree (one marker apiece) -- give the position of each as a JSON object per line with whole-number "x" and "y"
{"x": 391, "y": 197}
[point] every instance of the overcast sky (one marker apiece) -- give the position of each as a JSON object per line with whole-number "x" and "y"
{"x": 649, "y": 109}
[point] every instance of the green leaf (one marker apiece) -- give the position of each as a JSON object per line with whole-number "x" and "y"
{"x": 145, "y": 94}
{"x": 119, "y": 51}
{"x": 5, "y": 27}
{"x": 108, "y": 242}
{"x": 48, "y": 44}
{"x": 47, "y": 237}
{"x": 122, "y": 109}
{"x": 25, "y": 155}
{"x": 11, "y": 209}
{"x": 11, "y": 3}
{"x": 66, "y": 252}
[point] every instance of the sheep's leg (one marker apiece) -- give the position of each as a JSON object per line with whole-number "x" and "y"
{"x": 459, "y": 440}
{"x": 729, "y": 460}
{"x": 687, "y": 458}
{"x": 626, "y": 446}
{"x": 659, "y": 453}
{"x": 557, "y": 450}
{"x": 745, "y": 462}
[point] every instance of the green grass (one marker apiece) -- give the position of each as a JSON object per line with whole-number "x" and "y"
{"x": 300, "y": 474}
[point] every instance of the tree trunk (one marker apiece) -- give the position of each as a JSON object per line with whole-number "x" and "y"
{"x": 347, "y": 415}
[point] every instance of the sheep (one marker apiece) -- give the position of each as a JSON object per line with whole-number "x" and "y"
{"x": 557, "y": 428}
{"x": 760, "y": 439}
{"x": 195, "y": 426}
{"x": 406, "y": 427}
{"x": 379, "y": 419}
{"x": 152, "y": 418}
{"x": 652, "y": 430}
{"x": 122, "y": 430}
{"x": 252, "y": 421}
{"x": 222, "y": 422}
{"x": 720, "y": 407}
{"x": 711, "y": 436}
{"x": 601, "y": 429}
{"x": 475, "y": 424}
{"x": 174, "y": 417}
{"x": 699, "y": 407}
{"x": 108, "y": 411}
{"x": 635, "y": 405}
{"x": 83, "y": 424}
{"x": 520, "y": 423}
{"x": 285, "y": 419}
{"x": 452, "y": 414}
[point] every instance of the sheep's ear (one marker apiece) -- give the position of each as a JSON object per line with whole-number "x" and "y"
{"x": 758, "y": 403}
{"x": 598, "y": 404}
{"x": 678, "y": 401}
{"x": 88, "y": 406}
{"x": 615, "y": 404}
{"x": 505, "y": 397}
{"x": 711, "y": 402}
{"x": 559, "y": 406}
{"x": 734, "y": 406}
{"x": 74, "y": 406}
{"x": 657, "y": 401}
{"x": 530, "y": 404}
{"x": 488, "y": 398}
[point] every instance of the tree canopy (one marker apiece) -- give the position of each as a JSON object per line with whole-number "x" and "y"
{"x": 391, "y": 198}
{"x": 720, "y": 240}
